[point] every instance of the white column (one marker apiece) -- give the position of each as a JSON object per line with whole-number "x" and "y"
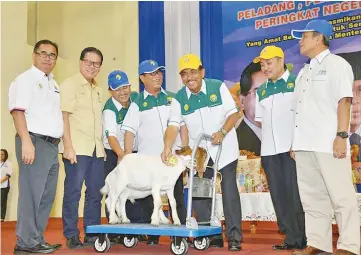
{"x": 182, "y": 36}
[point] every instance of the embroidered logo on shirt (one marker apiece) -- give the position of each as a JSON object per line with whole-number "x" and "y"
{"x": 169, "y": 99}
{"x": 118, "y": 77}
{"x": 186, "y": 107}
{"x": 321, "y": 72}
{"x": 145, "y": 104}
{"x": 290, "y": 85}
{"x": 213, "y": 98}
{"x": 40, "y": 86}
{"x": 263, "y": 92}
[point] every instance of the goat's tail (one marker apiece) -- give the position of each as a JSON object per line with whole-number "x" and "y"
{"x": 105, "y": 189}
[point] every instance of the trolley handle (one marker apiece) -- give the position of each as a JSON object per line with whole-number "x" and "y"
{"x": 200, "y": 137}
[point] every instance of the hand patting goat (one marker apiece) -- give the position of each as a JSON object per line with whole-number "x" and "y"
{"x": 138, "y": 176}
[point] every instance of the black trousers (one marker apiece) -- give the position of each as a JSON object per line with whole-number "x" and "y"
{"x": 4, "y": 201}
{"x": 231, "y": 202}
{"x": 281, "y": 175}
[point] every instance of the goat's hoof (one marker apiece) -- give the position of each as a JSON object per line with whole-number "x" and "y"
{"x": 177, "y": 223}
{"x": 165, "y": 222}
{"x": 155, "y": 223}
{"x": 126, "y": 221}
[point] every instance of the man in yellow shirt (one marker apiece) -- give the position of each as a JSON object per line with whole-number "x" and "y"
{"x": 81, "y": 104}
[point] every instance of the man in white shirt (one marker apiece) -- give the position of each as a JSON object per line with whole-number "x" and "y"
{"x": 114, "y": 112}
{"x": 274, "y": 102}
{"x": 322, "y": 150}
{"x": 147, "y": 120}
{"x": 34, "y": 103}
{"x": 206, "y": 106}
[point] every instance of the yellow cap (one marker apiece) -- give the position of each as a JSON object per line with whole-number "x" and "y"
{"x": 189, "y": 61}
{"x": 269, "y": 52}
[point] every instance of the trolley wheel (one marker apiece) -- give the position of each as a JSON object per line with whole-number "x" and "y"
{"x": 201, "y": 243}
{"x": 102, "y": 245}
{"x": 182, "y": 249}
{"x": 130, "y": 241}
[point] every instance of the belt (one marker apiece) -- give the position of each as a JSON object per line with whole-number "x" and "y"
{"x": 46, "y": 138}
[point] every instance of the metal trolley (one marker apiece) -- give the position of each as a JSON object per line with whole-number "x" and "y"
{"x": 200, "y": 231}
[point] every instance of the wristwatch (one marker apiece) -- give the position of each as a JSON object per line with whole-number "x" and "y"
{"x": 223, "y": 131}
{"x": 342, "y": 134}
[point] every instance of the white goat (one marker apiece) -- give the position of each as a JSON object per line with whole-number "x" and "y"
{"x": 138, "y": 176}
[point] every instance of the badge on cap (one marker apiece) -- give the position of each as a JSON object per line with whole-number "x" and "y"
{"x": 186, "y": 107}
{"x": 118, "y": 77}
{"x": 186, "y": 60}
{"x": 152, "y": 63}
{"x": 213, "y": 98}
{"x": 290, "y": 85}
{"x": 145, "y": 104}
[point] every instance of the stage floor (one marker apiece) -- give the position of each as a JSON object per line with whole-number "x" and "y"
{"x": 259, "y": 243}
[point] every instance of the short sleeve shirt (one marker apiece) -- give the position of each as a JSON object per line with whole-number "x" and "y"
{"x": 207, "y": 112}
{"x": 38, "y": 96}
{"x": 84, "y": 103}
{"x": 113, "y": 117}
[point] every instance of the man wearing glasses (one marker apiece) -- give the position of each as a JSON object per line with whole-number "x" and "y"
{"x": 274, "y": 104}
{"x": 34, "y": 103}
{"x": 249, "y": 131}
{"x": 83, "y": 156}
{"x": 148, "y": 118}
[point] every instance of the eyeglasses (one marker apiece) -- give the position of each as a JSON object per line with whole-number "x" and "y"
{"x": 155, "y": 73}
{"x": 91, "y": 63}
{"x": 45, "y": 55}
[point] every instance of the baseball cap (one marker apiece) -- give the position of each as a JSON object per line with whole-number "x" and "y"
{"x": 149, "y": 66}
{"x": 269, "y": 52}
{"x": 117, "y": 79}
{"x": 189, "y": 61}
{"x": 318, "y": 25}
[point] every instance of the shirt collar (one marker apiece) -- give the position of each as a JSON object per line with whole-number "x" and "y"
{"x": 203, "y": 89}
{"x": 146, "y": 93}
{"x": 284, "y": 76}
{"x": 40, "y": 73}
{"x": 117, "y": 104}
{"x": 83, "y": 81}
{"x": 321, "y": 56}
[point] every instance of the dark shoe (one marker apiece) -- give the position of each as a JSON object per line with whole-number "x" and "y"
{"x": 284, "y": 246}
{"x": 309, "y": 250}
{"x": 142, "y": 238}
{"x": 116, "y": 239}
{"x": 218, "y": 243}
{"x": 234, "y": 245}
{"x": 74, "y": 243}
{"x": 152, "y": 240}
{"x": 89, "y": 240}
{"x": 37, "y": 249}
{"x": 52, "y": 246}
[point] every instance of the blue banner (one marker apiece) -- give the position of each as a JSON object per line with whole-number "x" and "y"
{"x": 250, "y": 26}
